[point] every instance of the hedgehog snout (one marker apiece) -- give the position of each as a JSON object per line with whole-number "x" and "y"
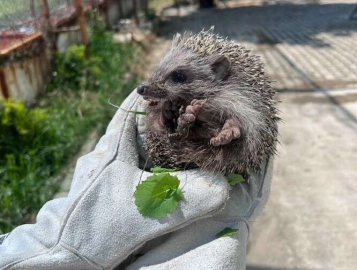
{"x": 151, "y": 91}
{"x": 141, "y": 89}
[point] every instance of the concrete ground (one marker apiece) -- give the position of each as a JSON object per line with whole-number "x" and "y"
{"x": 310, "y": 50}
{"x": 310, "y": 219}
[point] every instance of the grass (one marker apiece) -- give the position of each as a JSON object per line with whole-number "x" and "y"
{"x": 36, "y": 142}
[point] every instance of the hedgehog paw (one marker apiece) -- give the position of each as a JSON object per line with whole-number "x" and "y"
{"x": 189, "y": 115}
{"x": 229, "y": 132}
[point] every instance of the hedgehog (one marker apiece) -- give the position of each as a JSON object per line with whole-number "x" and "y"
{"x": 210, "y": 105}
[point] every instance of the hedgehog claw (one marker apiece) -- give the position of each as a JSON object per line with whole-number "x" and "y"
{"x": 189, "y": 115}
{"x": 229, "y": 132}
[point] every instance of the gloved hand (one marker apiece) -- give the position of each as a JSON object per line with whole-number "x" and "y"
{"x": 98, "y": 225}
{"x": 196, "y": 246}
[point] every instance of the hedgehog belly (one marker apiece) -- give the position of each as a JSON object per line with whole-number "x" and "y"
{"x": 165, "y": 152}
{"x": 188, "y": 154}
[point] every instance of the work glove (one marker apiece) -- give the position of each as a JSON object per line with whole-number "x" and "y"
{"x": 98, "y": 225}
{"x": 197, "y": 246}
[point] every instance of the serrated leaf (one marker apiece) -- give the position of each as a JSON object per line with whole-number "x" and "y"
{"x": 138, "y": 112}
{"x": 161, "y": 170}
{"x": 234, "y": 179}
{"x": 158, "y": 195}
{"x": 227, "y": 232}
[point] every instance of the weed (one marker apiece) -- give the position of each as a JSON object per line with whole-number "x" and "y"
{"x": 35, "y": 143}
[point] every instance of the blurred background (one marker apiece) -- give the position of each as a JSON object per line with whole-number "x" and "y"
{"x": 61, "y": 60}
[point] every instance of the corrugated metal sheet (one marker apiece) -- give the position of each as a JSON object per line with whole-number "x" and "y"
{"x": 24, "y": 78}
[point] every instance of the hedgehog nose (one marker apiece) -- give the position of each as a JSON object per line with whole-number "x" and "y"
{"x": 141, "y": 89}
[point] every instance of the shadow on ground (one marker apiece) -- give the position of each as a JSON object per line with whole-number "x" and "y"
{"x": 262, "y": 22}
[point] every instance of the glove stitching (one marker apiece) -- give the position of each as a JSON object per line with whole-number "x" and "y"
{"x": 75, "y": 252}
{"x": 178, "y": 227}
{"x": 13, "y": 264}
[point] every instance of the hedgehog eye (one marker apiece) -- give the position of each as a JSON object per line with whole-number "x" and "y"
{"x": 178, "y": 77}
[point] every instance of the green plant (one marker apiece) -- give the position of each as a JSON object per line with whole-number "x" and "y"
{"x": 71, "y": 67}
{"x": 158, "y": 195}
{"x": 234, "y": 179}
{"x": 151, "y": 14}
{"x": 110, "y": 60}
{"x": 148, "y": 15}
{"x": 104, "y": 70}
{"x": 29, "y": 153}
{"x": 35, "y": 143}
{"x": 227, "y": 232}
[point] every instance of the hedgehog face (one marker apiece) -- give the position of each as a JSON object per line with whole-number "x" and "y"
{"x": 183, "y": 74}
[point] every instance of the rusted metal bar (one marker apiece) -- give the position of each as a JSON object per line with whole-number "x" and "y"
{"x": 136, "y": 11}
{"x": 45, "y": 9}
{"x": 3, "y": 85}
{"x": 82, "y": 25}
{"x": 47, "y": 29}
{"x": 25, "y": 39}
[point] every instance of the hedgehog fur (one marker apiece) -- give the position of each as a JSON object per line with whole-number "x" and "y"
{"x": 233, "y": 84}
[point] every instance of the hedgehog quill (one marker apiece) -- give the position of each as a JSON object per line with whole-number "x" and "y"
{"x": 210, "y": 105}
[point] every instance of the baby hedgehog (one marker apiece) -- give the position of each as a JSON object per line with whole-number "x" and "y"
{"x": 211, "y": 106}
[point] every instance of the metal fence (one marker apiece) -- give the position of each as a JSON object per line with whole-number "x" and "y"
{"x": 27, "y": 15}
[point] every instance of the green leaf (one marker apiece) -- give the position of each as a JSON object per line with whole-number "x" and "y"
{"x": 158, "y": 195}
{"x": 234, "y": 179}
{"x": 227, "y": 232}
{"x": 161, "y": 170}
{"x": 138, "y": 112}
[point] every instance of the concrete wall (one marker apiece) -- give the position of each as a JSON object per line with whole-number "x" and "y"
{"x": 24, "y": 79}
{"x": 68, "y": 38}
{"x": 127, "y": 7}
{"x": 113, "y": 13}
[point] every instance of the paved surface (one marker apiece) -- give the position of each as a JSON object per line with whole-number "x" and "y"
{"x": 310, "y": 51}
{"x": 304, "y": 46}
{"x": 310, "y": 220}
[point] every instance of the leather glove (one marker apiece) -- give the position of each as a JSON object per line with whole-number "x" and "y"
{"x": 196, "y": 246}
{"x": 98, "y": 225}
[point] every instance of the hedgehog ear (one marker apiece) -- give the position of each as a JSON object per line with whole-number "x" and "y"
{"x": 221, "y": 66}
